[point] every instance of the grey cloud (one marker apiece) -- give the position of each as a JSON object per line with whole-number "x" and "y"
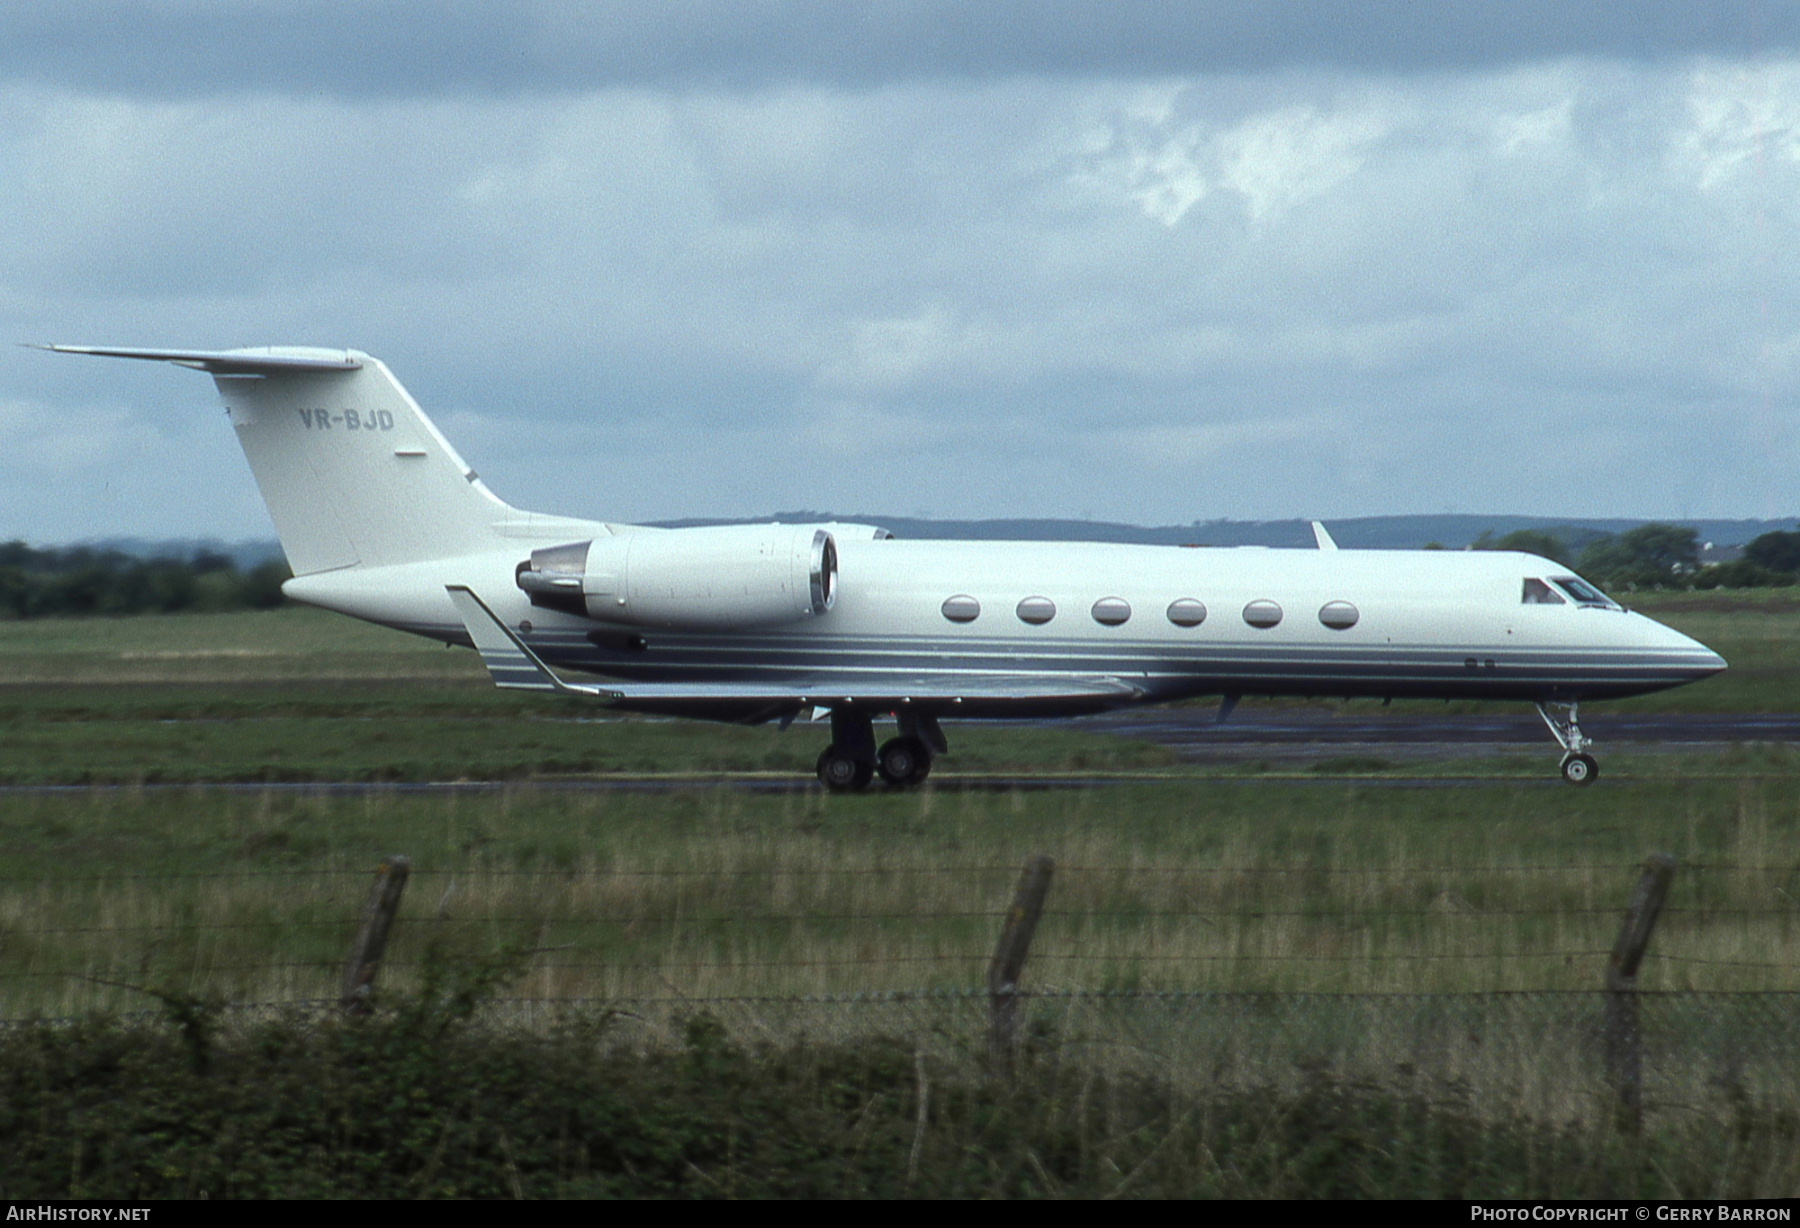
{"x": 1549, "y": 288}
{"x": 405, "y": 47}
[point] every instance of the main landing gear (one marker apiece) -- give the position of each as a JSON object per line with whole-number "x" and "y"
{"x": 1578, "y": 767}
{"x": 852, "y": 761}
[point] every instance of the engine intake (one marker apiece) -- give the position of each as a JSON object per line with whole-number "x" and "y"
{"x": 704, "y": 579}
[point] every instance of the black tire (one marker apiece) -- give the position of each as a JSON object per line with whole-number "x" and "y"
{"x": 1580, "y": 769}
{"x": 903, "y": 762}
{"x": 922, "y": 771}
{"x": 842, "y": 774}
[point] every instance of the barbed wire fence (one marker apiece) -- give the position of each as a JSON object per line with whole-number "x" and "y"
{"x": 1219, "y": 972}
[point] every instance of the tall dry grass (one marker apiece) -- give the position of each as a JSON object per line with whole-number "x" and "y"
{"x": 723, "y": 894}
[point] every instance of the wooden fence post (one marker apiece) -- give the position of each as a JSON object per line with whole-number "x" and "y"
{"x": 371, "y": 937}
{"x": 1008, "y": 964}
{"x": 1624, "y": 1040}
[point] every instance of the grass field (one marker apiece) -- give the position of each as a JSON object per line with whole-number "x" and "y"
{"x": 1756, "y": 630}
{"x": 1334, "y": 885}
{"x": 131, "y": 879}
{"x": 745, "y": 908}
{"x": 252, "y": 896}
{"x": 1170, "y": 878}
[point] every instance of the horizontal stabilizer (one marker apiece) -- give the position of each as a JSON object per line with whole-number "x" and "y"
{"x": 263, "y": 361}
{"x": 352, "y": 470}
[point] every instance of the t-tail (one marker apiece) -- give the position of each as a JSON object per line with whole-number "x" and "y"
{"x": 352, "y": 470}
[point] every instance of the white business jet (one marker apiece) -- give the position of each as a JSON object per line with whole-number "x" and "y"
{"x": 382, "y": 520}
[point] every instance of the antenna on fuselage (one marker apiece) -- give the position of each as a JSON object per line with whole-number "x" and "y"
{"x": 1322, "y": 537}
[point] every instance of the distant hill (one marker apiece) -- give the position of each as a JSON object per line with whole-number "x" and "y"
{"x": 1365, "y": 532}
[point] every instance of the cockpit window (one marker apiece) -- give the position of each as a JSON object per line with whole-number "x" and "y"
{"x": 1538, "y": 593}
{"x": 1583, "y": 592}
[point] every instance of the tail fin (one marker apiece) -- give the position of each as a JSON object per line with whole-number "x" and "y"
{"x": 351, "y": 468}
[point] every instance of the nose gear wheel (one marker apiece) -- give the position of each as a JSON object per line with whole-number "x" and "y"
{"x": 1580, "y": 769}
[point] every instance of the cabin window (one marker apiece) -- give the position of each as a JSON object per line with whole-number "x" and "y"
{"x": 1339, "y": 615}
{"x": 1538, "y": 593}
{"x": 1037, "y": 610}
{"x": 1264, "y": 614}
{"x": 961, "y": 608}
{"x": 1112, "y": 611}
{"x": 1583, "y": 592}
{"x": 1187, "y": 612}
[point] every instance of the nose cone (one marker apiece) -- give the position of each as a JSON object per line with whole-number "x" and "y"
{"x": 1676, "y": 657}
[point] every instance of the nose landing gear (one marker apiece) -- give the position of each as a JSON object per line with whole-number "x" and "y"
{"x": 1578, "y": 767}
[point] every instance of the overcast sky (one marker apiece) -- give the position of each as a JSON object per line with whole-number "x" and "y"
{"x": 1140, "y": 262}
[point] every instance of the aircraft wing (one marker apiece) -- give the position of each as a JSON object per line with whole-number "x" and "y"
{"x": 514, "y": 666}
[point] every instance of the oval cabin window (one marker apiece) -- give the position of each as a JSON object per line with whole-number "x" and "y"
{"x": 962, "y": 608}
{"x": 1338, "y": 615}
{"x": 1263, "y": 614}
{"x": 1037, "y": 610}
{"x": 1187, "y": 612}
{"x": 1111, "y": 611}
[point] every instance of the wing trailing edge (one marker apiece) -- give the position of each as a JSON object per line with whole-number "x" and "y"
{"x": 513, "y": 665}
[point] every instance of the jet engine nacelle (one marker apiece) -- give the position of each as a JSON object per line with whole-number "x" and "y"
{"x": 704, "y": 579}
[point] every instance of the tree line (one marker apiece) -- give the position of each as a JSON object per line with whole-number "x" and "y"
{"x": 82, "y": 580}
{"x": 1657, "y": 556}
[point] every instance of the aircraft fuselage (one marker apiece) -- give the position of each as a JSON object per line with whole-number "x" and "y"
{"x": 382, "y": 519}
{"x": 1440, "y": 624}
